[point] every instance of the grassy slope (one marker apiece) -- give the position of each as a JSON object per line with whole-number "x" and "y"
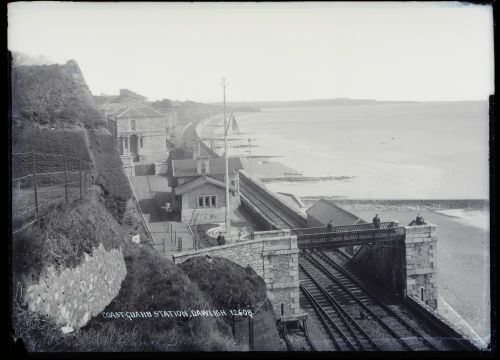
{"x": 53, "y": 95}
{"x": 152, "y": 283}
{"x": 62, "y": 239}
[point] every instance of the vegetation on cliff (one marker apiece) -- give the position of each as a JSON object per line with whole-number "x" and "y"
{"x": 53, "y": 95}
{"x": 227, "y": 284}
{"x": 52, "y": 101}
{"x": 61, "y": 239}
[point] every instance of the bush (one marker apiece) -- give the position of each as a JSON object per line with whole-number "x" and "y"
{"x": 227, "y": 284}
{"x": 62, "y": 238}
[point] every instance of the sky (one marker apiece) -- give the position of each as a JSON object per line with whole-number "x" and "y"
{"x": 267, "y": 51}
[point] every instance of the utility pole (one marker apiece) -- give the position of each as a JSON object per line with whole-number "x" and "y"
{"x": 249, "y": 157}
{"x": 226, "y": 127}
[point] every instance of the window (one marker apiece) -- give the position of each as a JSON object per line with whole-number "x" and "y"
{"x": 141, "y": 142}
{"x": 132, "y": 124}
{"x": 207, "y": 201}
{"x": 422, "y": 293}
{"x": 126, "y": 143}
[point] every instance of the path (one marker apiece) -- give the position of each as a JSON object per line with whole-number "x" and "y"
{"x": 152, "y": 193}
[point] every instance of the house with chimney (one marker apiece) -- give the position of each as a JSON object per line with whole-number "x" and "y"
{"x": 199, "y": 185}
{"x": 140, "y": 130}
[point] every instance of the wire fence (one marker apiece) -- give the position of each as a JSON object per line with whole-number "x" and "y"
{"x": 41, "y": 181}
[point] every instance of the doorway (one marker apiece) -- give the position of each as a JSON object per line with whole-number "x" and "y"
{"x": 133, "y": 147}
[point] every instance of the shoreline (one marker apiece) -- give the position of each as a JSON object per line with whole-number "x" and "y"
{"x": 272, "y": 170}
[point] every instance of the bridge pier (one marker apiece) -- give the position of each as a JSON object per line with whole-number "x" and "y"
{"x": 420, "y": 277}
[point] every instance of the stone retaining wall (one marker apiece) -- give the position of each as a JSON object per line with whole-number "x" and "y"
{"x": 72, "y": 297}
{"x": 273, "y": 255}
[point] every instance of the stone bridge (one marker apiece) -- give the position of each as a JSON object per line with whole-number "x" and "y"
{"x": 273, "y": 255}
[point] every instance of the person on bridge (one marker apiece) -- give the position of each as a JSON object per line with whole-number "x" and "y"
{"x": 420, "y": 220}
{"x": 329, "y": 229}
{"x": 376, "y": 221}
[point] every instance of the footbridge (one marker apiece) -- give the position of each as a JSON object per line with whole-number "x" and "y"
{"x": 350, "y": 235}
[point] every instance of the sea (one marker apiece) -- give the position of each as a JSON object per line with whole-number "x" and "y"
{"x": 407, "y": 151}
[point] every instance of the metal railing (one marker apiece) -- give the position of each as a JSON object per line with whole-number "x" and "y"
{"x": 43, "y": 180}
{"x": 138, "y": 208}
{"x": 346, "y": 238}
{"x": 343, "y": 228}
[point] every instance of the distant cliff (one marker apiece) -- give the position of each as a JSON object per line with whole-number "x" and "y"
{"x": 317, "y": 102}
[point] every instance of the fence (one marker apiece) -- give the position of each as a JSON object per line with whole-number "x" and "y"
{"x": 41, "y": 181}
{"x": 146, "y": 227}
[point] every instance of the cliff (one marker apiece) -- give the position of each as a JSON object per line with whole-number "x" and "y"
{"x": 53, "y": 95}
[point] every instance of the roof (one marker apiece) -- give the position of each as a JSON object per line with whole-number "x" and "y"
{"x": 325, "y": 210}
{"x": 139, "y": 111}
{"x": 197, "y": 182}
{"x": 216, "y": 166}
{"x": 291, "y": 199}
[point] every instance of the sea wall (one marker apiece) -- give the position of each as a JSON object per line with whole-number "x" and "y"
{"x": 73, "y": 296}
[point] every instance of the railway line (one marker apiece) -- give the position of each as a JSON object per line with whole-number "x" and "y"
{"x": 275, "y": 217}
{"x": 387, "y": 327}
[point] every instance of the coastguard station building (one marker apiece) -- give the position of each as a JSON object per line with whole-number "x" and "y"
{"x": 200, "y": 187}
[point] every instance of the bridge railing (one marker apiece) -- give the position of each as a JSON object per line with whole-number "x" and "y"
{"x": 325, "y": 237}
{"x": 344, "y": 228}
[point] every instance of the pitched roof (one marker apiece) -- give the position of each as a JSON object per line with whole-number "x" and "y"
{"x": 216, "y": 166}
{"x": 138, "y": 112}
{"x": 197, "y": 182}
{"x": 326, "y": 210}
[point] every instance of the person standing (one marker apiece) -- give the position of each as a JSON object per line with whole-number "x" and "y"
{"x": 220, "y": 239}
{"x": 420, "y": 220}
{"x": 376, "y": 221}
{"x": 329, "y": 229}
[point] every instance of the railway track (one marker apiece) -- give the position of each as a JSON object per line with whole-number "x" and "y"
{"x": 387, "y": 329}
{"x": 270, "y": 210}
{"x": 440, "y": 337}
{"x": 338, "y": 324}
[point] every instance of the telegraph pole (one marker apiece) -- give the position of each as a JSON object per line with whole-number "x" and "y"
{"x": 226, "y": 127}
{"x": 249, "y": 157}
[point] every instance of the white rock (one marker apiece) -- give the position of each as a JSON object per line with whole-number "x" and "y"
{"x": 86, "y": 317}
{"x": 67, "y": 329}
